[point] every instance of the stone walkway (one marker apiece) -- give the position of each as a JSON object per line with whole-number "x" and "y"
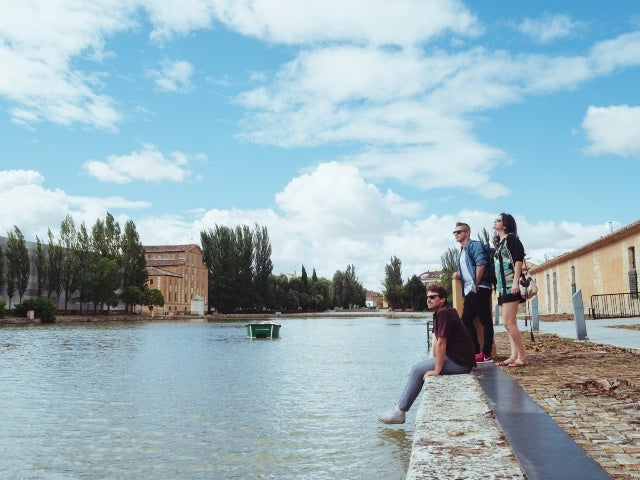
{"x": 591, "y": 390}
{"x": 456, "y": 435}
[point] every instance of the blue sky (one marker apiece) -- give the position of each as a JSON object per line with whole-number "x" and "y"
{"x": 353, "y": 130}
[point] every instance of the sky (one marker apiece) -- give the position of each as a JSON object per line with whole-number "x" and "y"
{"x": 354, "y": 130}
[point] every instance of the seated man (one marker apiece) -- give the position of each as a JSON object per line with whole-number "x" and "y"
{"x": 453, "y": 353}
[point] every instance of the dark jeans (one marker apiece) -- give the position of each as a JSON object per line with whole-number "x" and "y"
{"x": 479, "y": 304}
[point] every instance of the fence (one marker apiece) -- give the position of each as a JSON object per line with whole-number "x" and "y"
{"x": 613, "y": 305}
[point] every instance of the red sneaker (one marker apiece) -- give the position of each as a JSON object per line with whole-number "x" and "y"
{"x": 482, "y": 357}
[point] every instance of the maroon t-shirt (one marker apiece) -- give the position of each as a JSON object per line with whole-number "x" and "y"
{"x": 460, "y": 349}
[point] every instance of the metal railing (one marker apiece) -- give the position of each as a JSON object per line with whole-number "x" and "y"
{"x": 613, "y": 305}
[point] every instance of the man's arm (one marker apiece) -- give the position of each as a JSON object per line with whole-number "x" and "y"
{"x": 439, "y": 352}
{"x": 479, "y": 273}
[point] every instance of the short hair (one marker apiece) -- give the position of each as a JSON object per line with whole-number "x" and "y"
{"x": 439, "y": 289}
{"x": 465, "y": 225}
{"x": 509, "y": 223}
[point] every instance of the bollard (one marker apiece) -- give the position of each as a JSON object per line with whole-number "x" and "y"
{"x": 534, "y": 314}
{"x": 578, "y": 314}
{"x": 496, "y": 315}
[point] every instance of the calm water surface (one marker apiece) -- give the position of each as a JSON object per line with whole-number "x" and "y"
{"x": 201, "y": 401}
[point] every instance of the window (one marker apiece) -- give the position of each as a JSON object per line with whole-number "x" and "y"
{"x": 573, "y": 280}
{"x": 632, "y": 258}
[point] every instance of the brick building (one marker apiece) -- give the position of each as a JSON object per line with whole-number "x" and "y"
{"x": 179, "y": 272}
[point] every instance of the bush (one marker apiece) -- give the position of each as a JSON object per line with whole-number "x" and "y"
{"x": 44, "y": 309}
{"x": 3, "y": 310}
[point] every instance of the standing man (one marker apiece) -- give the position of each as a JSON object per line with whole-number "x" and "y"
{"x": 472, "y": 272}
{"x": 452, "y": 353}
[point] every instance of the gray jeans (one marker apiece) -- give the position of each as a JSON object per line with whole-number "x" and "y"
{"x": 415, "y": 381}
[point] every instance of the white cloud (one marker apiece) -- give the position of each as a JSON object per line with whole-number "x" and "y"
{"x": 613, "y": 130}
{"x": 148, "y": 165}
{"x": 39, "y": 42}
{"x": 173, "y": 76}
{"x": 402, "y": 22}
{"x": 34, "y": 208}
{"x": 335, "y": 200}
{"x": 548, "y": 27}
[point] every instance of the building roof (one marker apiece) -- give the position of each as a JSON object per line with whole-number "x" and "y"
{"x": 157, "y": 272}
{"x": 620, "y": 234}
{"x": 171, "y": 248}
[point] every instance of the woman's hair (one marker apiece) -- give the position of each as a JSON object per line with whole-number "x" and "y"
{"x": 509, "y": 223}
{"x": 439, "y": 289}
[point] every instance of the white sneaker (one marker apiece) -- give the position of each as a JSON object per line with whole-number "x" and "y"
{"x": 394, "y": 415}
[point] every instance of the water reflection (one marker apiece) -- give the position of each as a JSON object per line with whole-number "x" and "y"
{"x": 199, "y": 400}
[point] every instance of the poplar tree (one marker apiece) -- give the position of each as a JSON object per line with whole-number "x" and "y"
{"x": 18, "y": 265}
{"x": 69, "y": 274}
{"x": 54, "y": 267}
{"x": 134, "y": 265}
{"x": 41, "y": 267}
{"x": 393, "y": 288}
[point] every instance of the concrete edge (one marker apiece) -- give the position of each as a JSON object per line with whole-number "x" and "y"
{"x": 457, "y": 435}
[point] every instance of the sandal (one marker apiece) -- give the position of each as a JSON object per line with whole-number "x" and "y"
{"x": 505, "y": 363}
{"x": 517, "y": 364}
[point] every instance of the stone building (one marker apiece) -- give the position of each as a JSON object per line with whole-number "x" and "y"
{"x": 605, "y": 268}
{"x": 179, "y": 272}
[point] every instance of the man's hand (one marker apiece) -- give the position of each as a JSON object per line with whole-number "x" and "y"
{"x": 430, "y": 373}
{"x": 456, "y": 275}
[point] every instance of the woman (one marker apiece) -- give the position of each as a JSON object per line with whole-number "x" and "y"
{"x": 509, "y": 256}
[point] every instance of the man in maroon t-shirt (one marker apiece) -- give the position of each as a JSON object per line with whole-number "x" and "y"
{"x": 453, "y": 353}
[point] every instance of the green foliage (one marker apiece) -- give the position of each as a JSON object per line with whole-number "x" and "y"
{"x": 449, "y": 261}
{"x": 18, "y": 265}
{"x": 346, "y": 290}
{"x": 393, "y": 289}
{"x": 134, "y": 264}
{"x": 239, "y": 262}
{"x": 3, "y": 310}
{"x": 41, "y": 266}
{"x": 1, "y": 270}
{"x": 416, "y": 294}
{"x": 43, "y": 308}
{"x": 152, "y": 297}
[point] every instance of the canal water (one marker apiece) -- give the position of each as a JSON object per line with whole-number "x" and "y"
{"x": 201, "y": 401}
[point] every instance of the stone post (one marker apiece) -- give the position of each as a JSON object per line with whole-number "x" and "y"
{"x": 578, "y": 315}
{"x": 534, "y": 314}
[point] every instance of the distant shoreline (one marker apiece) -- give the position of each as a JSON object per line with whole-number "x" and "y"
{"x": 217, "y": 317}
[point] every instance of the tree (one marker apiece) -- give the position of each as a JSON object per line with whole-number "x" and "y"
{"x": 338, "y": 290}
{"x": 54, "y": 268}
{"x": 152, "y": 297}
{"x": 18, "y": 265}
{"x": 1, "y": 271}
{"x": 103, "y": 278}
{"x": 416, "y": 294}
{"x": 220, "y": 253}
{"x": 134, "y": 262}
{"x": 263, "y": 267}
{"x": 83, "y": 253}
{"x": 346, "y": 290}
{"x": 239, "y": 266}
{"x": 304, "y": 280}
{"x": 449, "y": 260}
{"x": 69, "y": 275}
{"x": 393, "y": 288}
{"x": 41, "y": 267}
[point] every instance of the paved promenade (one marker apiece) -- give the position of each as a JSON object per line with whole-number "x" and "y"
{"x": 598, "y": 331}
{"x": 603, "y": 425}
